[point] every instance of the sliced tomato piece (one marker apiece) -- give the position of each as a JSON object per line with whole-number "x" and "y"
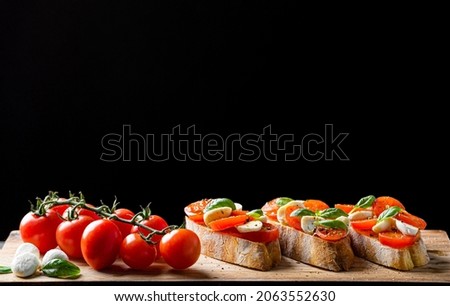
{"x": 315, "y": 205}
{"x": 239, "y": 212}
{"x": 270, "y": 209}
{"x": 382, "y": 203}
{"x": 330, "y": 234}
{"x": 363, "y": 224}
{"x": 196, "y": 207}
{"x": 228, "y": 222}
{"x": 294, "y": 222}
{"x": 197, "y": 218}
{"x": 267, "y": 234}
{"x": 347, "y": 208}
{"x": 412, "y": 219}
{"x": 396, "y": 239}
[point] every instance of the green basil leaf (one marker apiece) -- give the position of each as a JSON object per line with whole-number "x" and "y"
{"x": 256, "y": 213}
{"x": 332, "y": 224}
{"x": 365, "y": 202}
{"x": 389, "y": 213}
{"x": 332, "y": 213}
{"x": 301, "y": 212}
{"x": 219, "y": 202}
{"x": 5, "y": 270}
{"x": 283, "y": 201}
{"x": 61, "y": 268}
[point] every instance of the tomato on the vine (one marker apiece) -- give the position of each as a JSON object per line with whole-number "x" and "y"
{"x": 40, "y": 230}
{"x": 153, "y": 221}
{"x": 180, "y": 248}
{"x": 69, "y": 233}
{"x": 83, "y": 212}
{"x": 100, "y": 243}
{"x": 127, "y": 214}
{"x": 136, "y": 252}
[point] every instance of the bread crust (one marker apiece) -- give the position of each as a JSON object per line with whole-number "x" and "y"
{"x": 246, "y": 253}
{"x": 404, "y": 259}
{"x": 330, "y": 255}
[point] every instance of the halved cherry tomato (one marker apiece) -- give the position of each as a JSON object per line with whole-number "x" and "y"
{"x": 294, "y": 222}
{"x": 384, "y": 202}
{"x": 239, "y": 212}
{"x": 267, "y": 234}
{"x": 224, "y": 223}
{"x": 315, "y": 205}
{"x": 270, "y": 209}
{"x": 368, "y": 233}
{"x": 196, "y": 208}
{"x": 330, "y": 234}
{"x": 412, "y": 219}
{"x": 363, "y": 224}
{"x": 347, "y": 208}
{"x": 397, "y": 240}
{"x": 197, "y": 218}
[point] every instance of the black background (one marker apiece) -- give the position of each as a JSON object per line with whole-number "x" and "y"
{"x": 74, "y": 72}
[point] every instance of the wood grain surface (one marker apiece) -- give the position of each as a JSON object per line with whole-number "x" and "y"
{"x": 211, "y": 270}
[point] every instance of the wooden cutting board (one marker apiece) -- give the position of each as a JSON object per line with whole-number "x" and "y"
{"x": 211, "y": 270}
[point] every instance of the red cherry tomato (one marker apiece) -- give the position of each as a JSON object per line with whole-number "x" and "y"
{"x": 100, "y": 243}
{"x": 153, "y": 221}
{"x": 396, "y": 239}
{"x": 124, "y": 213}
{"x": 180, "y": 248}
{"x": 40, "y": 230}
{"x": 330, "y": 234}
{"x": 384, "y": 202}
{"x": 136, "y": 252}
{"x": 68, "y": 235}
{"x": 83, "y": 212}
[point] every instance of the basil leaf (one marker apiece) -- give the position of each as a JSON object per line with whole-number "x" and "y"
{"x": 256, "y": 213}
{"x": 219, "y": 202}
{"x": 301, "y": 212}
{"x": 61, "y": 268}
{"x": 332, "y": 213}
{"x": 389, "y": 213}
{"x": 365, "y": 202}
{"x": 283, "y": 201}
{"x": 332, "y": 224}
{"x": 5, "y": 270}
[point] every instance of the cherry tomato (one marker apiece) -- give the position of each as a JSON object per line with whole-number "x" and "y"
{"x": 347, "y": 208}
{"x": 411, "y": 219}
{"x": 294, "y": 222}
{"x": 315, "y": 205}
{"x": 382, "y": 203}
{"x": 180, "y": 248}
{"x": 330, "y": 234}
{"x": 228, "y": 222}
{"x": 68, "y": 235}
{"x": 83, "y": 212}
{"x": 267, "y": 234}
{"x": 100, "y": 243}
{"x": 196, "y": 208}
{"x": 60, "y": 209}
{"x": 154, "y": 221}
{"x": 40, "y": 230}
{"x": 270, "y": 209}
{"x": 124, "y": 213}
{"x": 136, "y": 252}
{"x": 363, "y": 224}
{"x": 396, "y": 239}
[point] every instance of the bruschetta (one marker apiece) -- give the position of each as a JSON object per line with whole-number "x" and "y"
{"x": 311, "y": 232}
{"x": 231, "y": 234}
{"x": 383, "y": 232}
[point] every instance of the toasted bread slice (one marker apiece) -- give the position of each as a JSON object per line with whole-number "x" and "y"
{"x": 246, "y": 253}
{"x": 404, "y": 259}
{"x": 309, "y": 249}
